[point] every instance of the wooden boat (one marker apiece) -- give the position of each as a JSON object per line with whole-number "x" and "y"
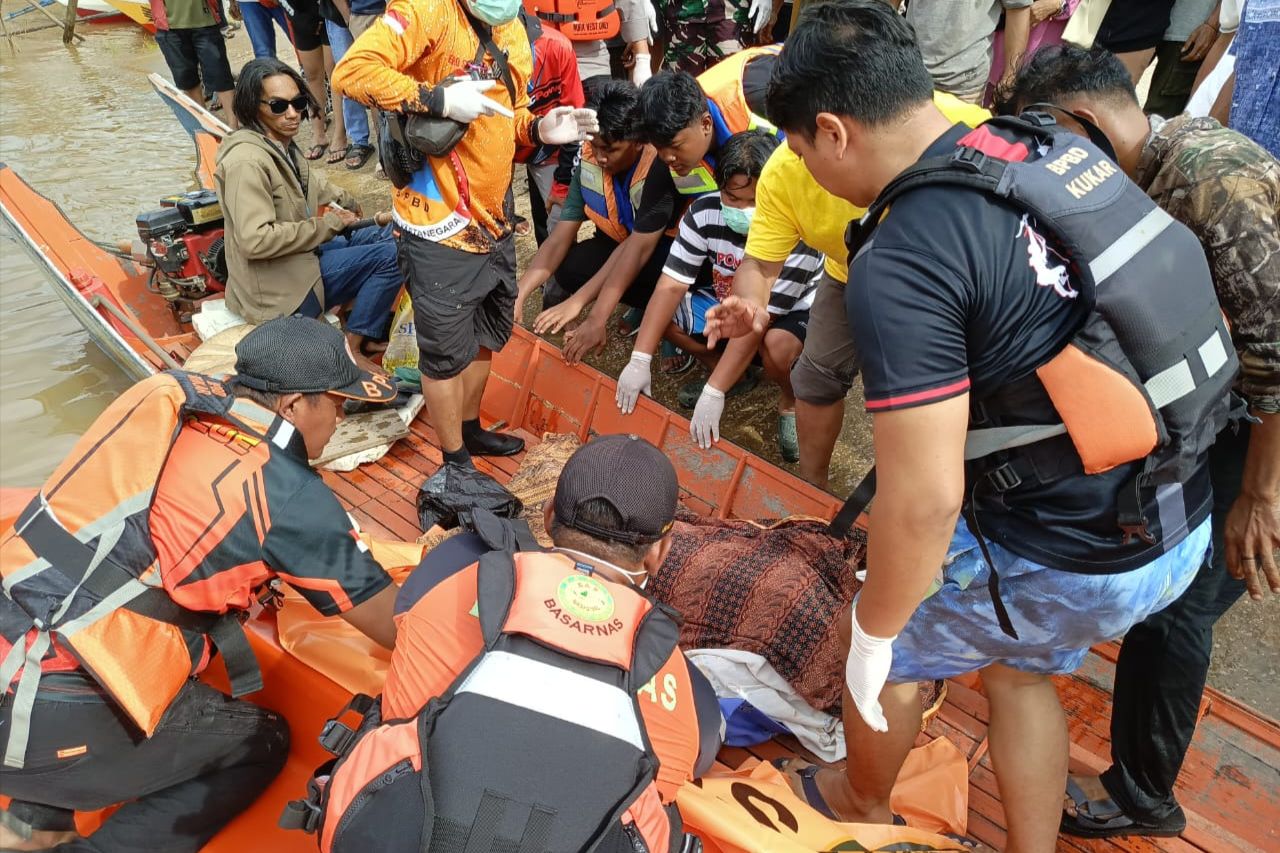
{"x": 100, "y": 11}
{"x": 1230, "y": 784}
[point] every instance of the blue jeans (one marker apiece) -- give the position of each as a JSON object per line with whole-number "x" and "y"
{"x": 361, "y": 269}
{"x": 259, "y": 21}
{"x": 354, "y": 114}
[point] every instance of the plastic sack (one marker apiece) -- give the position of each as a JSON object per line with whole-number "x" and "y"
{"x": 451, "y": 493}
{"x": 753, "y": 809}
{"x": 402, "y": 347}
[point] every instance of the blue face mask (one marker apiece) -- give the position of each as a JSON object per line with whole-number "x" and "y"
{"x": 738, "y": 218}
{"x": 494, "y": 12}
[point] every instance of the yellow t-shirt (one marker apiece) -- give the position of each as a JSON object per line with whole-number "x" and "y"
{"x": 791, "y": 207}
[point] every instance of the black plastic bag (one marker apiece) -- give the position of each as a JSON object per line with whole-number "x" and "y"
{"x": 450, "y": 495}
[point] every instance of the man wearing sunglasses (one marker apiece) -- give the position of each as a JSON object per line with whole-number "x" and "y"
{"x": 291, "y": 248}
{"x": 189, "y": 497}
{"x": 464, "y": 65}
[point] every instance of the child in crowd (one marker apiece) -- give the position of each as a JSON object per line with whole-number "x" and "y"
{"x": 713, "y": 234}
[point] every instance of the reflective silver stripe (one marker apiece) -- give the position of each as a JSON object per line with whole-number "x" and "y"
{"x": 1172, "y": 383}
{"x": 1129, "y": 244}
{"x": 1171, "y": 504}
{"x": 24, "y": 699}
{"x": 983, "y": 442}
{"x": 1213, "y": 354}
{"x": 122, "y": 596}
{"x": 556, "y": 692}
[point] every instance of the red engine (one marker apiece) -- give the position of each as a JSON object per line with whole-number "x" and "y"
{"x": 183, "y": 244}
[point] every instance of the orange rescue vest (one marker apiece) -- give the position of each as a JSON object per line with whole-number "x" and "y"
{"x": 83, "y": 575}
{"x": 579, "y": 20}
{"x": 600, "y": 199}
{"x": 730, "y": 114}
{"x": 541, "y": 734}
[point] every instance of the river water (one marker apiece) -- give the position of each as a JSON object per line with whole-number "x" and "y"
{"x": 83, "y": 127}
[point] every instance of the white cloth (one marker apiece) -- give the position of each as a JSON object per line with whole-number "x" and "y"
{"x": 737, "y": 674}
{"x": 1206, "y": 94}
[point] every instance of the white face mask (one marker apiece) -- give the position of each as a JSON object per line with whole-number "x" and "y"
{"x": 631, "y": 576}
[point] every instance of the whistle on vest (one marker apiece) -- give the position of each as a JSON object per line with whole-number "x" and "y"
{"x": 270, "y": 596}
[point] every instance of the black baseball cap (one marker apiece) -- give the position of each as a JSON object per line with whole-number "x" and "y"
{"x": 631, "y": 475}
{"x": 300, "y": 355}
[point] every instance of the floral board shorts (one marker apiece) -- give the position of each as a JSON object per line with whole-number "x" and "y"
{"x": 1058, "y": 615}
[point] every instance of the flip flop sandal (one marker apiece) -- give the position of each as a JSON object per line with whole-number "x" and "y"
{"x": 358, "y": 155}
{"x": 315, "y": 152}
{"x": 629, "y": 323}
{"x": 337, "y": 155}
{"x": 1102, "y": 818}
{"x": 674, "y": 360}
{"x": 788, "y": 438}
{"x": 690, "y": 391}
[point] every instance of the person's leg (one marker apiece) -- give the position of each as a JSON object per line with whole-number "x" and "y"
{"x": 184, "y": 65}
{"x": 1028, "y": 738}
{"x": 208, "y": 760}
{"x": 215, "y": 68}
{"x": 821, "y": 377}
{"x": 641, "y": 288}
{"x": 363, "y": 270}
{"x": 494, "y": 320}
{"x": 262, "y": 32}
{"x": 778, "y": 352}
{"x": 584, "y": 260}
{"x": 1171, "y": 82}
{"x": 1163, "y": 665}
{"x": 338, "y": 140}
{"x": 861, "y": 794}
{"x": 312, "y": 62}
{"x": 540, "y": 179}
{"x": 355, "y": 117}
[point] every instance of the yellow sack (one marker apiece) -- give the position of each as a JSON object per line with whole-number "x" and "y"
{"x": 402, "y": 348}
{"x": 753, "y": 810}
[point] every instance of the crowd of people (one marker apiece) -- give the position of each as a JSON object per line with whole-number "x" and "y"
{"x": 1063, "y": 302}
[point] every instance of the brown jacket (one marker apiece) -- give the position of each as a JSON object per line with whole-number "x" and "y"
{"x": 272, "y": 226}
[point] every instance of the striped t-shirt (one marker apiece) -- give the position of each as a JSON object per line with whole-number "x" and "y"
{"x": 704, "y": 238}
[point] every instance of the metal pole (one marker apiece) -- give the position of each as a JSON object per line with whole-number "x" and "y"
{"x": 69, "y": 26}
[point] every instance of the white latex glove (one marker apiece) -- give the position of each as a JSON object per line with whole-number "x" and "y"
{"x": 651, "y": 15}
{"x": 866, "y": 671}
{"x": 705, "y": 423}
{"x": 640, "y": 69}
{"x": 636, "y": 379}
{"x": 464, "y": 101}
{"x": 564, "y": 125}
{"x": 760, "y": 12}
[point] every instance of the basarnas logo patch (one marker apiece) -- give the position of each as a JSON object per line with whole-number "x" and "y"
{"x": 585, "y": 598}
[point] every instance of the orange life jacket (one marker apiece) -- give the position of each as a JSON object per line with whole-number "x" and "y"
{"x": 83, "y": 575}
{"x": 612, "y": 215}
{"x": 543, "y": 727}
{"x": 579, "y": 20}
{"x": 730, "y": 114}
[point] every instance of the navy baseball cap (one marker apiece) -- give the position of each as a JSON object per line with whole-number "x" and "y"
{"x": 300, "y": 355}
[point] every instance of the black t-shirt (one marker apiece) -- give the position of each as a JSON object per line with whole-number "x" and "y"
{"x": 957, "y": 291}
{"x": 660, "y": 205}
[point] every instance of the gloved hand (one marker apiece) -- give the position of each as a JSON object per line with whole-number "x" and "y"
{"x": 567, "y": 124}
{"x": 636, "y": 379}
{"x": 651, "y": 15}
{"x": 463, "y": 100}
{"x": 866, "y": 671}
{"x": 760, "y": 13}
{"x": 705, "y": 423}
{"x": 640, "y": 68}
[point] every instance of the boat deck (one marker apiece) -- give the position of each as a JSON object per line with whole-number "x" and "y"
{"x": 1229, "y": 788}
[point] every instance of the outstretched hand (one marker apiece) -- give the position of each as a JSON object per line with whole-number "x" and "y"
{"x": 588, "y": 338}
{"x": 553, "y": 319}
{"x": 735, "y": 317}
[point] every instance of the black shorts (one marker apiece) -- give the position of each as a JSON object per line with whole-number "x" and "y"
{"x": 306, "y": 24}
{"x": 795, "y": 322}
{"x": 197, "y": 55}
{"x": 1134, "y": 25}
{"x": 462, "y": 301}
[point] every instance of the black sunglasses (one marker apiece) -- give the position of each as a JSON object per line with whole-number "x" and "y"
{"x": 279, "y": 105}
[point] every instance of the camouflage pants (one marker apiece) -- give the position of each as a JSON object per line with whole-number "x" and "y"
{"x": 695, "y": 46}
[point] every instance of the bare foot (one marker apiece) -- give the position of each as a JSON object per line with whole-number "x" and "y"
{"x": 833, "y": 787}
{"x": 1093, "y": 789}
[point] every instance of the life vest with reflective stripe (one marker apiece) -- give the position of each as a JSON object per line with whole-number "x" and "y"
{"x": 730, "y": 113}
{"x": 84, "y": 580}
{"x": 579, "y": 20}
{"x": 1148, "y": 375}
{"x": 539, "y": 744}
{"x": 613, "y": 215}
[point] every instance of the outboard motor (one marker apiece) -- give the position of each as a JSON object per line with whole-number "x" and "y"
{"x": 183, "y": 243}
